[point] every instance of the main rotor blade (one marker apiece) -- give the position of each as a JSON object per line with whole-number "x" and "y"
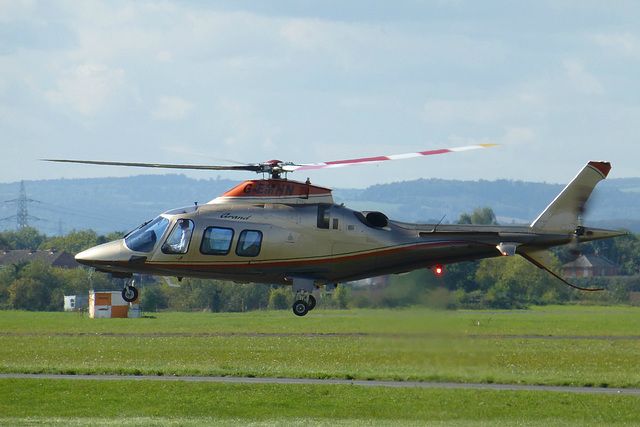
{"x": 253, "y": 168}
{"x": 378, "y": 159}
{"x": 276, "y": 167}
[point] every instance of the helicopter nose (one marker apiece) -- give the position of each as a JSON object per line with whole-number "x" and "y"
{"x": 104, "y": 255}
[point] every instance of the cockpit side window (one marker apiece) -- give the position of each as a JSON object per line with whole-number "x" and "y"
{"x": 178, "y": 240}
{"x": 146, "y": 237}
{"x": 249, "y": 243}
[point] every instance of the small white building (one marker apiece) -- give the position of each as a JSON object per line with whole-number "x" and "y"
{"x": 76, "y": 302}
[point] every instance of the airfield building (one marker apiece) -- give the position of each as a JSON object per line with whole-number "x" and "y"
{"x": 62, "y": 259}
{"x": 592, "y": 265}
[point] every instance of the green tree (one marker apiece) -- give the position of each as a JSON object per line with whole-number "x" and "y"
{"x": 480, "y": 216}
{"x": 24, "y": 238}
{"x": 341, "y": 296}
{"x": 218, "y": 296}
{"x": 77, "y": 241}
{"x": 513, "y": 282}
{"x": 195, "y": 294}
{"x": 236, "y": 297}
{"x": 280, "y": 298}
{"x": 75, "y": 281}
{"x": 74, "y": 242}
{"x": 28, "y": 294}
{"x": 40, "y": 271}
{"x": 34, "y": 288}
{"x": 8, "y": 274}
{"x": 462, "y": 275}
{"x": 408, "y": 289}
{"x": 56, "y": 300}
{"x": 35, "y": 285}
{"x": 152, "y": 298}
{"x": 619, "y": 291}
{"x": 624, "y": 251}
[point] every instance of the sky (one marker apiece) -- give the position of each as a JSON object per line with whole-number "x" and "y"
{"x": 556, "y": 83}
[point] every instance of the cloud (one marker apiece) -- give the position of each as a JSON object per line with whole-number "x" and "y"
{"x": 14, "y": 10}
{"x": 581, "y": 79}
{"x": 164, "y": 56}
{"x": 256, "y": 80}
{"x": 486, "y": 110}
{"x": 172, "y": 108}
{"x": 517, "y": 135}
{"x": 626, "y": 45}
{"x": 243, "y": 133}
{"x": 87, "y": 88}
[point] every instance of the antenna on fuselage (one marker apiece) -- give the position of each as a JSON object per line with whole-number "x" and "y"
{"x": 439, "y": 222}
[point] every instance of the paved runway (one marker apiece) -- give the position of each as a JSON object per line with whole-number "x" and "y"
{"x": 364, "y": 383}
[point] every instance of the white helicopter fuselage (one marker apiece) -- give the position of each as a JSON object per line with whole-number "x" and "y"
{"x": 296, "y": 231}
{"x": 284, "y": 232}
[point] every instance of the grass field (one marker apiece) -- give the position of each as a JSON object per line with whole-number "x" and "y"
{"x": 583, "y": 346}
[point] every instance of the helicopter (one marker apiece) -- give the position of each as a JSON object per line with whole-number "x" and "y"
{"x": 283, "y": 232}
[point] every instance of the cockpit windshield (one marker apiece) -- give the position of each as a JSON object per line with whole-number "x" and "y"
{"x": 145, "y": 238}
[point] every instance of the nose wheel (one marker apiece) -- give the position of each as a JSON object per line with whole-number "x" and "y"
{"x": 130, "y": 293}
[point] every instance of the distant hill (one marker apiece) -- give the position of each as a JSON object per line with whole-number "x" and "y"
{"x": 106, "y": 204}
{"x": 121, "y": 204}
{"x": 615, "y": 202}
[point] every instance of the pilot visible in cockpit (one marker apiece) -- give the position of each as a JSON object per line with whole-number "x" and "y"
{"x": 178, "y": 241}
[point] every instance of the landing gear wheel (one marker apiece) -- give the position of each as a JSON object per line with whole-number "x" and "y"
{"x": 130, "y": 293}
{"x": 300, "y": 308}
{"x": 312, "y": 302}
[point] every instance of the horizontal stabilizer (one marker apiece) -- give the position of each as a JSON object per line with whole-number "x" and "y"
{"x": 562, "y": 214}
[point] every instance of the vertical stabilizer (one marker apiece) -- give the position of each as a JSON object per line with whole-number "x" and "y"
{"x": 562, "y": 214}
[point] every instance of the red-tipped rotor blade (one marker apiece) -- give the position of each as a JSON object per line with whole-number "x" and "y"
{"x": 378, "y": 159}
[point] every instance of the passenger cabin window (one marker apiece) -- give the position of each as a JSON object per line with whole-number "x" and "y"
{"x": 179, "y": 238}
{"x": 249, "y": 243}
{"x": 216, "y": 241}
{"x": 323, "y": 216}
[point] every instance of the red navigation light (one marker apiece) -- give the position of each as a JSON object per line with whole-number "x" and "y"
{"x": 439, "y": 269}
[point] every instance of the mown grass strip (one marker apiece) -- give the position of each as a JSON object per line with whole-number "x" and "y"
{"x": 50, "y": 401}
{"x": 457, "y": 359}
{"x": 367, "y": 344}
{"x": 384, "y": 344}
{"x": 549, "y": 320}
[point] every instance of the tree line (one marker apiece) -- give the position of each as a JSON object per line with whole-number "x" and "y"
{"x": 504, "y": 282}
{"x": 37, "y": 286}
{"x": 509, "y": 282}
